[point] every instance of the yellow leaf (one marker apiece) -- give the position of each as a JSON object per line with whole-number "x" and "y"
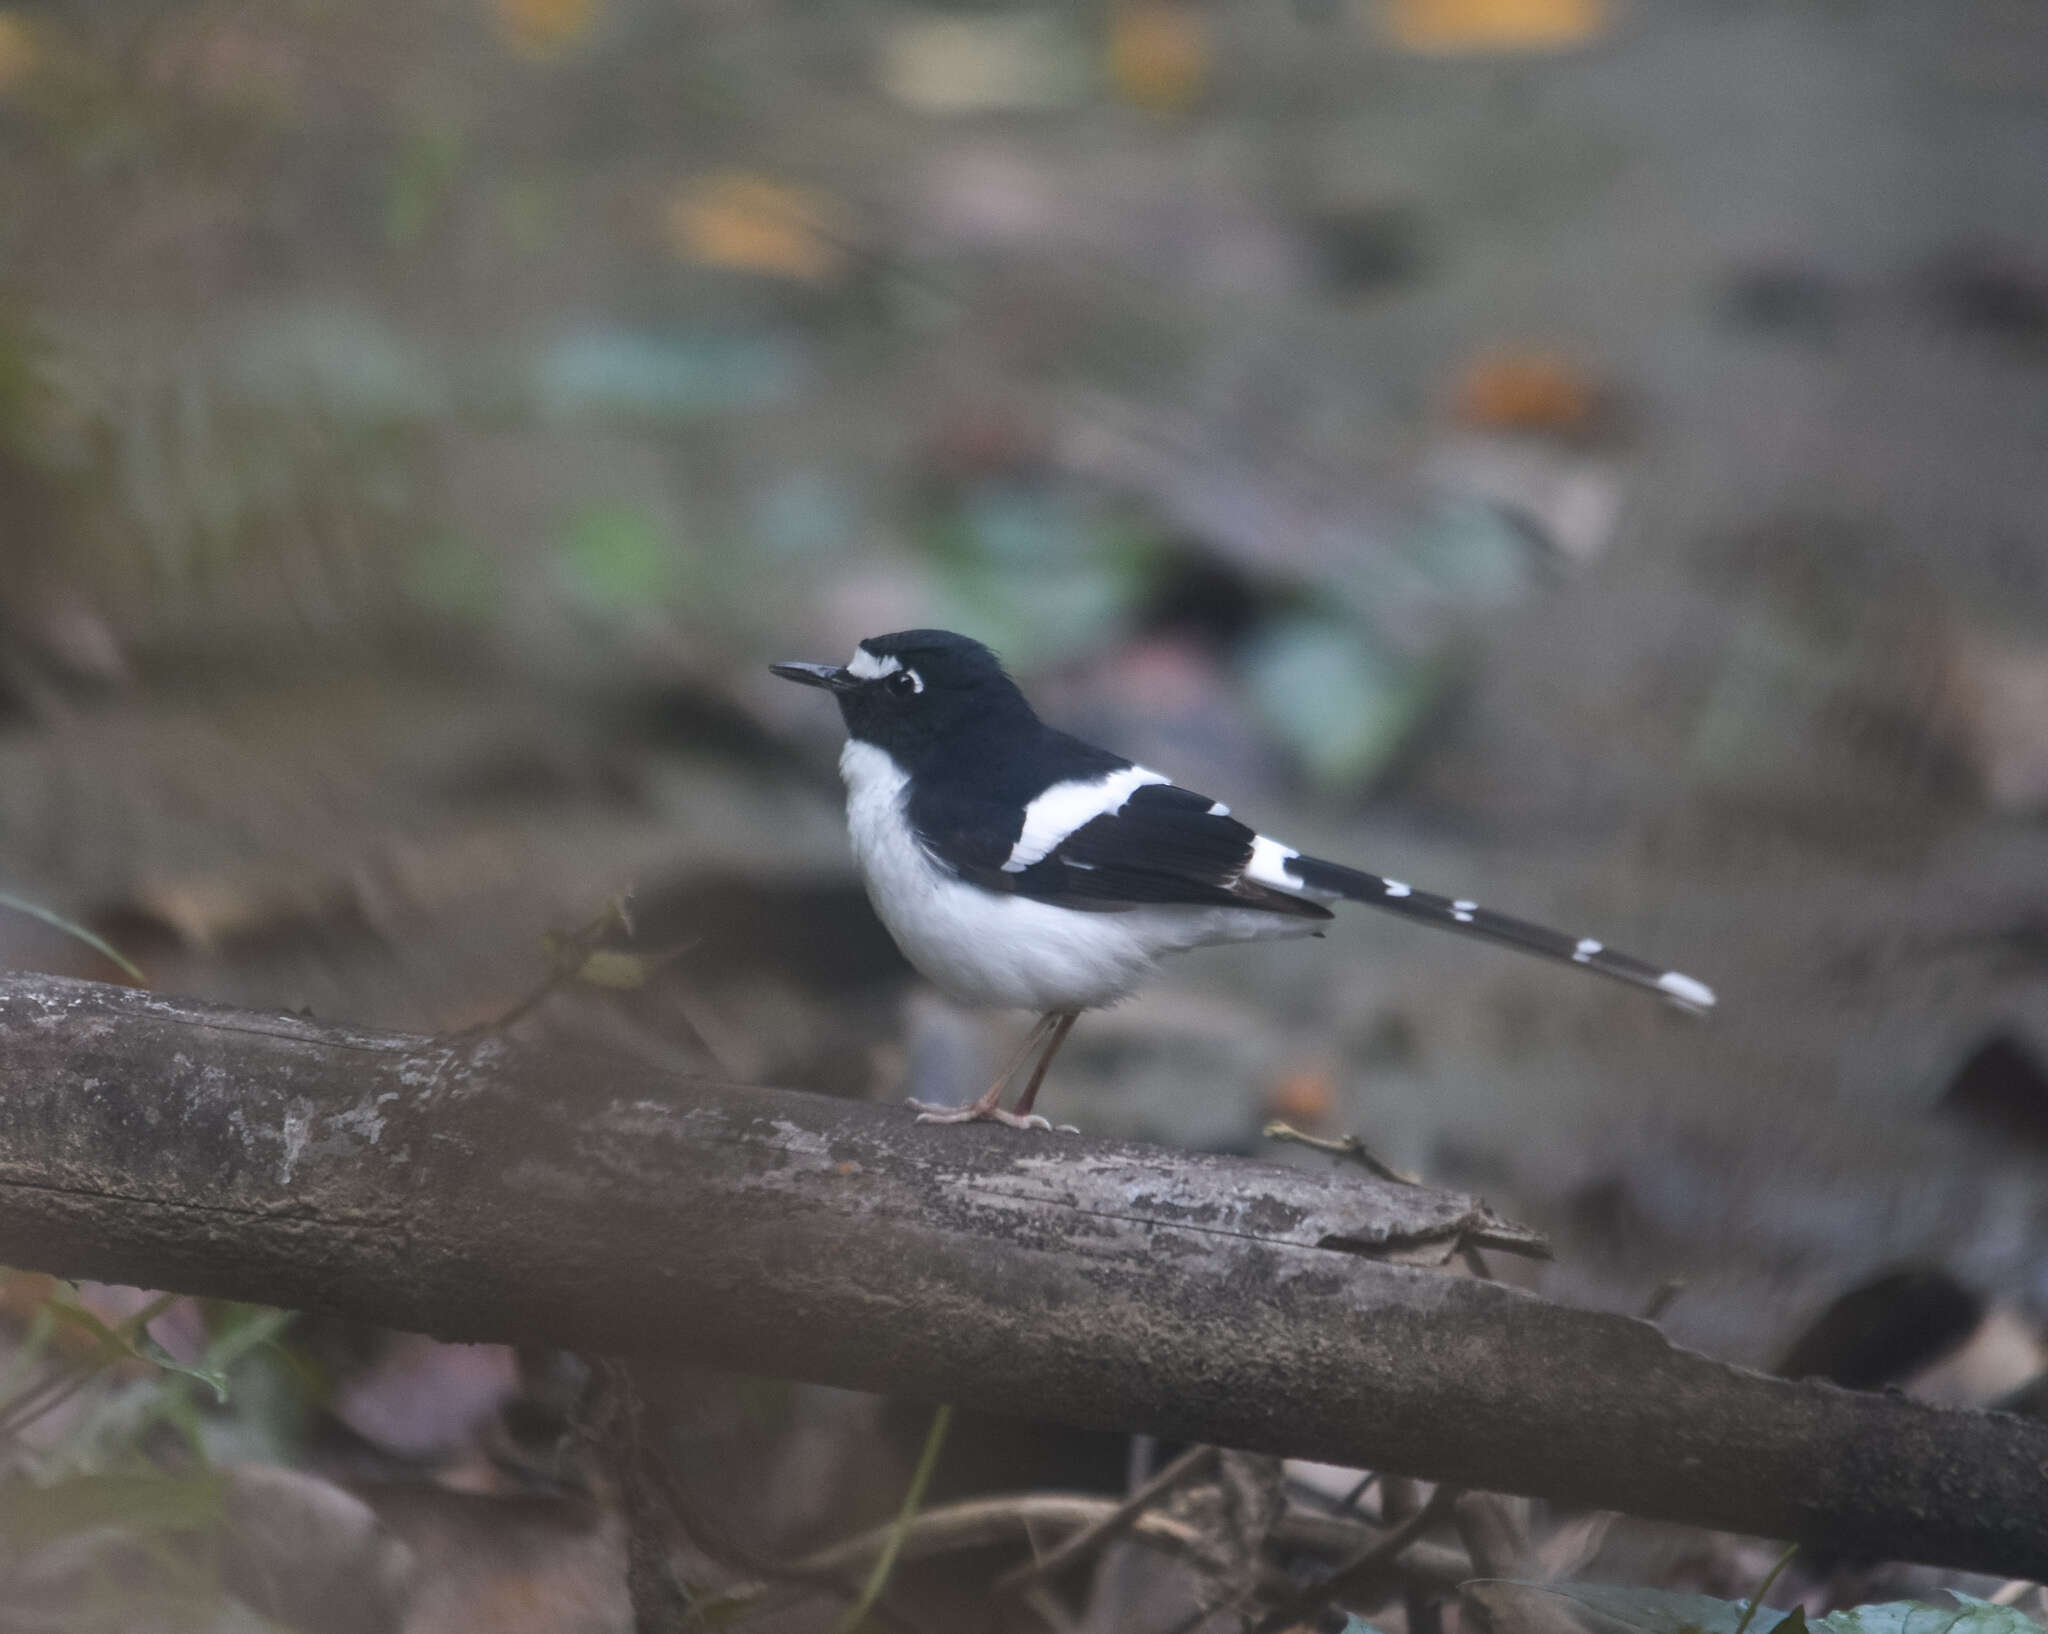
{"x": 543, "y": 29}
{"x": 752, "y": 224}
{"x": 1158, "y": 54}
{"x": 609, "y": 967}
{"x": 1448, "y": 26}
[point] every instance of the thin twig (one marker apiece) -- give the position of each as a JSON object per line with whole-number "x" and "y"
{"x": 567, "y": 955}
{"x": 615, "y": 1426}
{"x": 981, "y": 1523}
{"x": 1196, "y": 1461}
{"x": 1350, "y": 1146}
{"x": 1358, "y": 1492}
{"x": 1356, "y": 1573}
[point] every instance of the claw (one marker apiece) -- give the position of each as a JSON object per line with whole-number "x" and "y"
{"x": 977, "y": 1112}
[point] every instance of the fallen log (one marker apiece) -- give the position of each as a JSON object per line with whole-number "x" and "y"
{"x": 478, "y": 1190}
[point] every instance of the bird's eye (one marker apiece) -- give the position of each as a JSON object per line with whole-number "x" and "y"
{"x": 905, "y": 683}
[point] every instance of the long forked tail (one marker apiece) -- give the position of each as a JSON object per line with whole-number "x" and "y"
{"x": 1330, "y": 879}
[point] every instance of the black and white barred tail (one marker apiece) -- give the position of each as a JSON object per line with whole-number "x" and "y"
{"x": 1312, "y": 877}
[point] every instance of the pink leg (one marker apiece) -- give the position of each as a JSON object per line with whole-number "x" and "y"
{"x": 1052, "y": 1048}
{"x": 988, "y": 1109}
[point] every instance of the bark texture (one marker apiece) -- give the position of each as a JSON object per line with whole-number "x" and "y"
{"x": 477, "y": 1190}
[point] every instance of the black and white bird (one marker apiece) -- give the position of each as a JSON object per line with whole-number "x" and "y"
{"x": 1017, "y": 866}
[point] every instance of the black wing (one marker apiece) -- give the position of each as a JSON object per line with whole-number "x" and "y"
{"x": 1162, "y": 845}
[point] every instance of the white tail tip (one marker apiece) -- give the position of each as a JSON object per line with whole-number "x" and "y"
{"x": 1695, "y": 995}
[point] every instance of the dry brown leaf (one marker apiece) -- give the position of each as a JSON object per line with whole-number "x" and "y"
{"x": 19, "y": 50}
{"x": 542, "y": 30}
{"x": 1159, "y": 55}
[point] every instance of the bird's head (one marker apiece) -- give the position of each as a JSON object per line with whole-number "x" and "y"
{"x": 914, "y": 689}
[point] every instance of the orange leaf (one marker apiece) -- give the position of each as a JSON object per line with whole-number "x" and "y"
{"x": 1447, "y": 26}
{"x": 1525, "y": 391}
{"x": 752, "y": 224}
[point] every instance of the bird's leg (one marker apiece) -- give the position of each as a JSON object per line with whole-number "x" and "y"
{"x": 988, "y": 1108}
{"x": 1061, "y": 1028}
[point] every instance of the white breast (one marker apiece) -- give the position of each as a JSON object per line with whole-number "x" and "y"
{"x": 989, "y": 947}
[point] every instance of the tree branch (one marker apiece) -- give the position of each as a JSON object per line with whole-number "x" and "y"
{"x": 478, "y": 1191}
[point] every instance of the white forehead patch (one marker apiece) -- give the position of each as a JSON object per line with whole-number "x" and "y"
{"x": 867, "y": 667}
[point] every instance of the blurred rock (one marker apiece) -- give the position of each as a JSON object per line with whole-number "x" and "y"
{"x": 1564, "y": 504}
{"x": 421, "y": 1397}
{"x": 2000, "y": 696}
{"x": 983, "y": 63}
{"x": 509, "y": 1565}
{"x": 303, "y": 1551}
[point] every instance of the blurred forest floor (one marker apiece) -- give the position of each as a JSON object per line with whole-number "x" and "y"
{"x": 1588, "y": 458}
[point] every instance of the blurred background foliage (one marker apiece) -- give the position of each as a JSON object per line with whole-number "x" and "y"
{"x": 1583, "y": 453}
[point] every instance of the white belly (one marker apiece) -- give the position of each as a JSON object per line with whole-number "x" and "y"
{"x": 986, "y": 947}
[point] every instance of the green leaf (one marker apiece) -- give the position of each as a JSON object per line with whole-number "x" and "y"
{"x": 131, "y": 1342}
{"x": 616, "y": 558}
{"x": 1661, "y": 1611}
{"x": 246, "y": 1328}
{"x": 1652, "y": 1611}
{"x": 1918, "y": 1617}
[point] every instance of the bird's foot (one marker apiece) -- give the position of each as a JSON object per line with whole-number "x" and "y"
{"x": 983, "y": 1112}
